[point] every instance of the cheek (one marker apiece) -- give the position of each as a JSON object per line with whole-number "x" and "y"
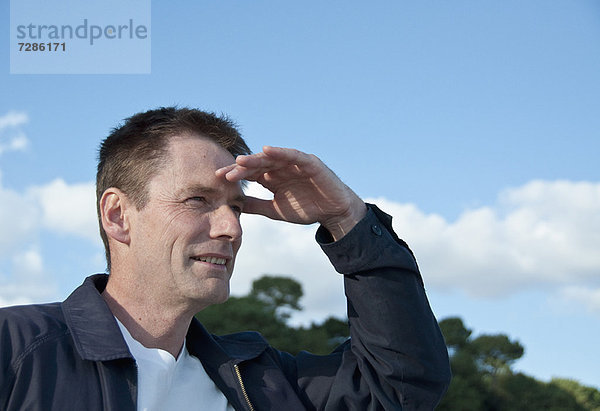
{"x": 236, "y": 246}
{"x": 187, "y": 225}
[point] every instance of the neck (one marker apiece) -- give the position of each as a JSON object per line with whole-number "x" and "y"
{"x": 152, "y": 325}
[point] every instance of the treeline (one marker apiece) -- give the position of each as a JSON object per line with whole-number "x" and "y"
{"x": 482, "y": 378}
{"x": 482, "y": 375}
{"x": 267, "y": 309}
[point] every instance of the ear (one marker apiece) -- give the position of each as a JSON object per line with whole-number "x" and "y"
{"x": 113, "y": 214}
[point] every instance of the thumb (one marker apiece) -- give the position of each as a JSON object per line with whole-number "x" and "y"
{"x": 259, "y": 206}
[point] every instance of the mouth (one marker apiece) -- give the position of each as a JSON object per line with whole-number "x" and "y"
{"x": 211, "y": 260}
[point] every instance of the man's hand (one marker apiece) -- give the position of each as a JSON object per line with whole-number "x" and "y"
{"x": 304, "y": 190}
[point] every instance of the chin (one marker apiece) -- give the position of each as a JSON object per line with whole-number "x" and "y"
{"x": 221, "y": 299}
{"x": 218, "y": 294}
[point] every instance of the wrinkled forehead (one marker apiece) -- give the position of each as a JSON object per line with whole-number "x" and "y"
{"x": 191, "y": 162}
{"x": 192, "y": 148}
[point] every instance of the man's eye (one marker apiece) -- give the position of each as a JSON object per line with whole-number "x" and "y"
{"x": 197, "y": 199}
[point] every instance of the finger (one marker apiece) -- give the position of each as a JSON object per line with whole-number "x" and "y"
{"x": 224, "y": 170}
{"x": 284, "y": 175}
{"x": 262, "y": 207}
{"x": 289, "y": 155}
{"x": 257, "y": 160}
{"x": 236, "y": 173}
{"x": 269, "y": 179}
{"x": 249, "y": 167}
{"x": 275, "y": 156}
{"x": 275, "y": 165}
{"x": 286, "y": 163}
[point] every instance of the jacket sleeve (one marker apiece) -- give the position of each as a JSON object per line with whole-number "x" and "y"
{"x": 396, "y": 357}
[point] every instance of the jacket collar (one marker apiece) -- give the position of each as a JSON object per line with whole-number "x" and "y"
{"x": 97, "y": 336}
{"x": 212, "y": 349}
{"x": 95, "y": 332}
{"x": 220, "y": 355}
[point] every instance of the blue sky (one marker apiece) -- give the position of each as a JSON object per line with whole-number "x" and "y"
{"x": 474, "y": 123}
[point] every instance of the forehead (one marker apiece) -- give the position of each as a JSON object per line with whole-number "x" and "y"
{"x": 191, "y": 161}
{"x": 196, "y": 151}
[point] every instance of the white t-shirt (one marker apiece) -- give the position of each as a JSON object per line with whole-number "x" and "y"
{"x": 166, "y": 383}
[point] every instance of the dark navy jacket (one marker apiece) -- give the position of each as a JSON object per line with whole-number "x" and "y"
{"x": 71, "y": 355}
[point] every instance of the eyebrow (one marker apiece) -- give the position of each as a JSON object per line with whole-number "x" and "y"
{"x": 198, "y": 188}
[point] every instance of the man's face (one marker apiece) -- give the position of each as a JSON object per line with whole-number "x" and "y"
{"x": 184, "y": 241}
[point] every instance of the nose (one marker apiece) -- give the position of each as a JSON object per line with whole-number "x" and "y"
{"x": 225, "y": 224}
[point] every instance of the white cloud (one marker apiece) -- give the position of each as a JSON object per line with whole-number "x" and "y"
{"x": 588, "y": 297}
{"x": 13, "y": 119}
{"x": 18, "y": 142}
{"x": 27, "y": 281}
{"x": 57, "y": 208}
{"x": 544, "y": 234}
{"x": 18, "y": 219}
{"x": 11, "y": 137}
{"x": 28, "y": 264}
{"x": 68, "y": 208}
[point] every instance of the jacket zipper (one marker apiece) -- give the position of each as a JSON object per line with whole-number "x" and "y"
{"x": 239, "y": 377}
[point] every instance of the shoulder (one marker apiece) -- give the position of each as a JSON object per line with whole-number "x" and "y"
{"x": 32, "y": 319}
{"x": 22, "y": 328}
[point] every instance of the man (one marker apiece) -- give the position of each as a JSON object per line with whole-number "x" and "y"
{"x": 169, "y": 190}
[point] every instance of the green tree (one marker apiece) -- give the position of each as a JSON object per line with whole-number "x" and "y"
{"x": 495, "y": 353}
{"x": 481, "y": 366}
{"x": 280, "y": 294}
{"x": 483, "y": 379}
{"x": 522, "y": 392}
{"x": 267, "y": 309}
{"x": 587, "y": 397}
{"x": 467, "y": 391}
{"x": 455, "y": 333}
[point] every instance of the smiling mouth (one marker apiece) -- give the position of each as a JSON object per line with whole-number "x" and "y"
{"x": 211, "y": 260}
